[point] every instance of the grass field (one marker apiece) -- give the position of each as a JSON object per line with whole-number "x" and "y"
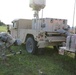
{"x": 3, "y": 29}
{"x": 50, "y": 63}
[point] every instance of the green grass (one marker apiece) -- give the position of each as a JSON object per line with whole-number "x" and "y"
{"x": 50, "y": 63}
{"x": 3, "y": 29}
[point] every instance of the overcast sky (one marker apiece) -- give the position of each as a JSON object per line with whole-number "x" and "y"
{"x": 16, "y": 9}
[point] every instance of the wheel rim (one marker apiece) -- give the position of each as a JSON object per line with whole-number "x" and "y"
{"x": 29, "y": 46}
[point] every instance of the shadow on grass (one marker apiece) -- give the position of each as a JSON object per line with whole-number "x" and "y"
{"x": 65, "y": 62}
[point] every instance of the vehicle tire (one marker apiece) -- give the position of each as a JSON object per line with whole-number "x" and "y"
{"x": 31, "y": 45}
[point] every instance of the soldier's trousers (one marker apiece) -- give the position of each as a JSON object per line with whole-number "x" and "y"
{"x": 2, "y": 50}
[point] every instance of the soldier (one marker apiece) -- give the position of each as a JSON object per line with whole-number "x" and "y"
{"x": 65, "y": 31}
{"x": 6, "y": 41}
{"x": 8, "y": 29}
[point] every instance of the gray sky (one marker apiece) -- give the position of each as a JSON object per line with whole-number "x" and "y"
{"x": 16, "y": 9}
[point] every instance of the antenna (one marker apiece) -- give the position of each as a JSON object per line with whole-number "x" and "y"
{"x": 73, "y": 27}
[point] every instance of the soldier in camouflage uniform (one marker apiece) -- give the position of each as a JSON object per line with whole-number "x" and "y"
{"x": 6, "y": 41}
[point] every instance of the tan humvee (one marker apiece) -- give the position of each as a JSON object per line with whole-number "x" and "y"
{"x": 39, "y": 36}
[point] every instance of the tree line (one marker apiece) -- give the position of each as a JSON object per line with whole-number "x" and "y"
{"x": 1, "y": 23}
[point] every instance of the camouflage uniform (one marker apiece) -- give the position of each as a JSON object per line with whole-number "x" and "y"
{"x": 2, "y": 49}
{"x": 6, "y": 41}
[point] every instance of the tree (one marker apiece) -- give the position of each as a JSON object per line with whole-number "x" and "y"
{"x": 1, "y": 23}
